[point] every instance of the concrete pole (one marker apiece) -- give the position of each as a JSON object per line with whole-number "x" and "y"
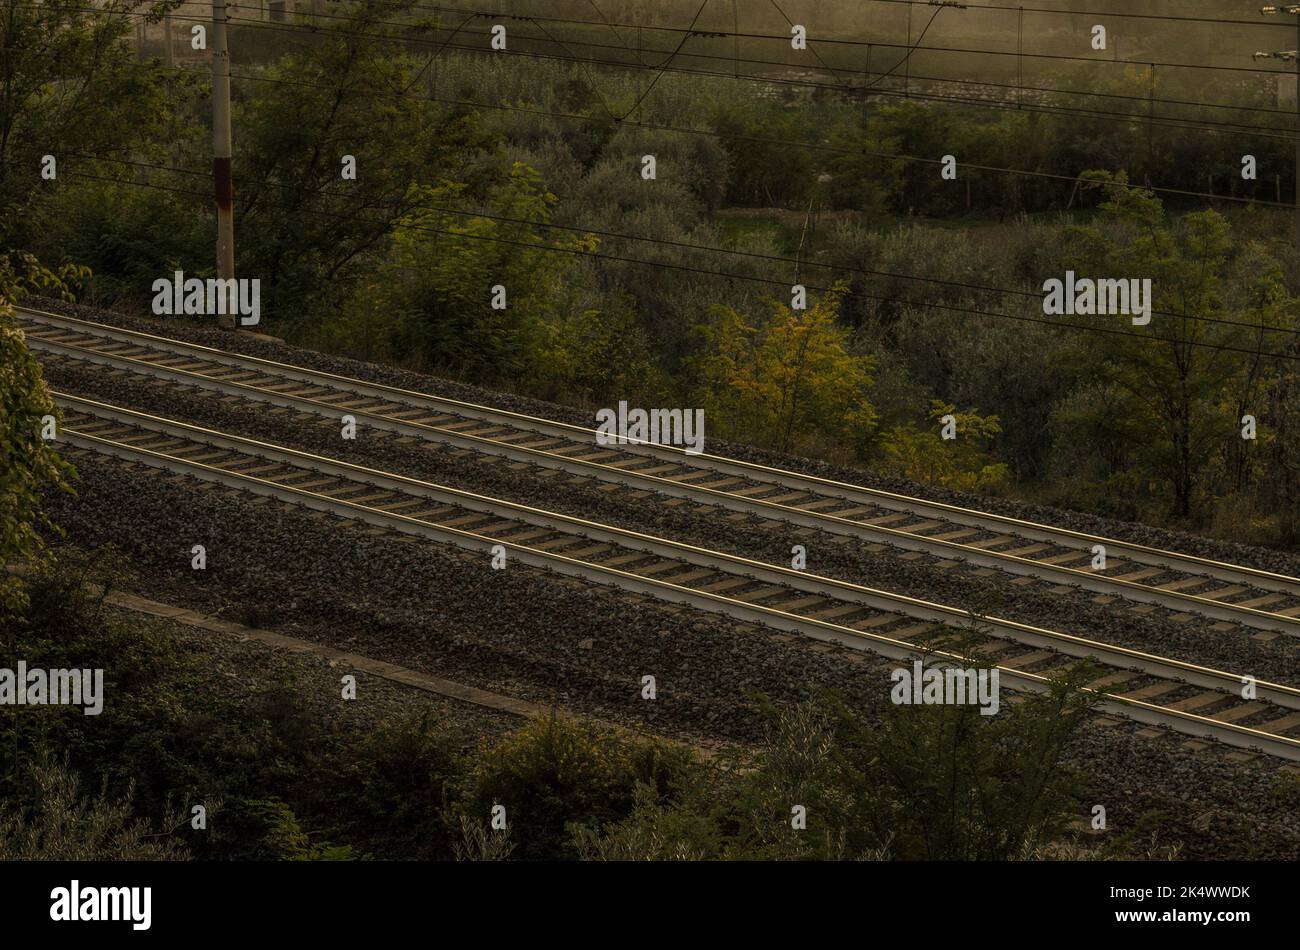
{"x": 221, "y": 151}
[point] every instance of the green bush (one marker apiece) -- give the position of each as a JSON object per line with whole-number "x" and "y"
{"x": 392, "y": 796}
{"x": 556, "y": 772}
{"x": 260, "y": 830}
{"x": 62, "y": 824}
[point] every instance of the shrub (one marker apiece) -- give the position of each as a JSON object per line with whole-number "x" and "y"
{"x": 64, "y": 825}
{"x": 555, "y": 772}
{"x": 392, "y": 796}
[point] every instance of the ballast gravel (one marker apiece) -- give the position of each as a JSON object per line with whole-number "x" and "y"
{"x": 1240, "y": 650}
{"x": 536, "y": 636}
{"x": 1285, "y": 562}
{"x": 583, "y": 648}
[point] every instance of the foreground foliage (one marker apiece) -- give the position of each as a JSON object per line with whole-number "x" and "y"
{"x": 286, "y": 774}
{"x": 498, "y": 230}
{"x": 29, "y": 462}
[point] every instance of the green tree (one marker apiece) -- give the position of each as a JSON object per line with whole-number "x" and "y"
{"x": 970, "y": 787}
{"x": 934, "y": 782}
{"x": 593, "y": 354}
{"x": 553, "y": 773}
{"x": 764, "y": 173}
{"x": 71, "y": 87}
{"x": 862, "y": 177}
{"x": 391, "y": 796}
{"x": 1281, "y": 486}
{"x": 1180, "y": 385}
{"x": 804, "y": 761}
{"x": 931, "y": 782}
{"x": 310, "y": 234}
{"x": 432, "y": 301}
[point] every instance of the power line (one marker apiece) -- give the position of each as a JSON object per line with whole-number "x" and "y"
{"x": 1049, "y": 90}
{"x": 734, "y": 252}
{"x": 1145, "y": 100}
{"x": 1270, "y": 132}
{"x": 778, "y": 258}
{"x": 438, "y": 52}
{"x": 791, "y": 23}
{"x": 535, "y": 18}
{"x": 591, "y": 83}
{"x": 604, "y": 19}
{"x": 713, "y": 133}
{"x": 834, "y": 41}
{"x": 911, "y": 48}
{"x": 659, "y": 74}
{"x": 581, "y": 252}
{"x": 1097, "y": 13}
{"x": 1204, "y": 125}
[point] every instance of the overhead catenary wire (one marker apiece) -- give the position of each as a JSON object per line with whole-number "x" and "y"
{"x": 811, "y": 146}
{"x": 1230, "y": 128}
{"x": 744, "y": 137}
{"x": 1169, "y": 17}
{"x": 910, "y": 49}
{"x": 976, "y": 7}
{"x": 591, "y": 83}
{"x": 438, "y": 52}
{"x": 785, "y": 260}
{"x": 847, "y": 292}
{"x": 1208, "y": 125}
{"x": 660, "y": 72}
{"x": 791, "y": 24}
{"x": 1149, "y": 120}
{"x": 1048, "y": 90}
{"x": 604, "y": 19}
{"x": 1145, "y": 100}
{"x": 822, "y": 147}
{"x": 966, "y": 7}
{"x": 841, "y": 41}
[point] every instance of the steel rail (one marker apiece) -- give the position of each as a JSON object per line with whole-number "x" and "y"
{"x": 1132, "y": 590}
{"x": 1140, "y": 710}
{"x": 1267, "y": 580}
{"x": 916, "y": 608}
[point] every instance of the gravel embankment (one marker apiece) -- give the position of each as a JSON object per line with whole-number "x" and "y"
{"x": 855, "y": 560}
{"x": 1286, "y": 562}
{"x": 526, "y": 634}
{"x": 239, "y": 668}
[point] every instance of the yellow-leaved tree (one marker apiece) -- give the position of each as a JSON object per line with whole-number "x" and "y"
{"x": 963, "y": 461}
{"x": 28, "y": 463}
{"x": 786, "y": 379}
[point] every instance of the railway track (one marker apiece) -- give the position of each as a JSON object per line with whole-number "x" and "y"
{"x": 1186, "y": 584}
{"x": 1188, "y": 698}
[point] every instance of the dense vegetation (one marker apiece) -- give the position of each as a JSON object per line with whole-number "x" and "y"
{"x": 281, "y": 781}
{"x": 476, "y": 171}
{"x": 29, "y": 463}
